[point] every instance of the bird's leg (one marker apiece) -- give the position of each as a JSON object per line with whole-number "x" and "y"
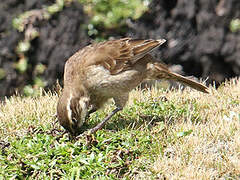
{"x": 119, "y": 102}
{"x": 101, "y": 124}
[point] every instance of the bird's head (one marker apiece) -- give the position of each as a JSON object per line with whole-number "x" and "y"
{"x": 71, "y": 111}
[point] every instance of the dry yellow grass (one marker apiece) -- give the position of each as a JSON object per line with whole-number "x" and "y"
{"x": 17, "y": 114}
{"x": 211, "y": 151}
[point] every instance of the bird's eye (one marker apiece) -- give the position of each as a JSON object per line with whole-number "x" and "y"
{"x": 74, "y": 120}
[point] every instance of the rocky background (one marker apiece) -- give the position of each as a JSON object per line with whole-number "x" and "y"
{"x": 37, "y": 37}
{"x": 199, "y": 35}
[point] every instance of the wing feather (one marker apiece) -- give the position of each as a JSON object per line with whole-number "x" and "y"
{"x": 117, "y": 55}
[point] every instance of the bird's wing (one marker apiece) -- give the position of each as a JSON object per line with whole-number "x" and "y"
{"x": 117, "y": 55}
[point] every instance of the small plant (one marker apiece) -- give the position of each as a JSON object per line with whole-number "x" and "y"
{"x": 235, "y": 25}
{"x": 2, "y": 73}
{"x": 113, "y": 13}
{"x": 106, "y": 15}
{"x": 26, "y": 23}
{"x": 22, "y": 65}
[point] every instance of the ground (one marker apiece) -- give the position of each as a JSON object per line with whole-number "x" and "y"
{"x": 171, "y": 134}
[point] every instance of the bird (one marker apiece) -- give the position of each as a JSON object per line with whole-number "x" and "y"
{"x": 109, "y": 70}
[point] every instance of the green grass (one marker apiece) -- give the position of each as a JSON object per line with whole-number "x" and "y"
{"x": 159, "y": 134}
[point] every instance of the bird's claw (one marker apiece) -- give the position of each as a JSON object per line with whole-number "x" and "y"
{"x": 86, "y": 134}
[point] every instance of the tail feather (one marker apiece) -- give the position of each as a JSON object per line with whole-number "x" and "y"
{"x": 164, "y": 73}
{"x": 193, "y": 84}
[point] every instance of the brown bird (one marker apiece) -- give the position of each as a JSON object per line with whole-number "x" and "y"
{"x": 107, "y": 70}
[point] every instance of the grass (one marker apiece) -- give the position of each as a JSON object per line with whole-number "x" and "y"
{"x": 158, "y": 135}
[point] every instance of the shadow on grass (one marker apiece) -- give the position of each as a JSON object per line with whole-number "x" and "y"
{"x": 148, "y": 115}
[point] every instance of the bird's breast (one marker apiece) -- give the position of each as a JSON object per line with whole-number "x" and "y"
{"x": 101, "y": 81}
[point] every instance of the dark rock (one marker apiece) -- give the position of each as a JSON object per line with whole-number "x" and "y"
{"x": 59, "y": 38}
{"x": 198, "y": 35}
